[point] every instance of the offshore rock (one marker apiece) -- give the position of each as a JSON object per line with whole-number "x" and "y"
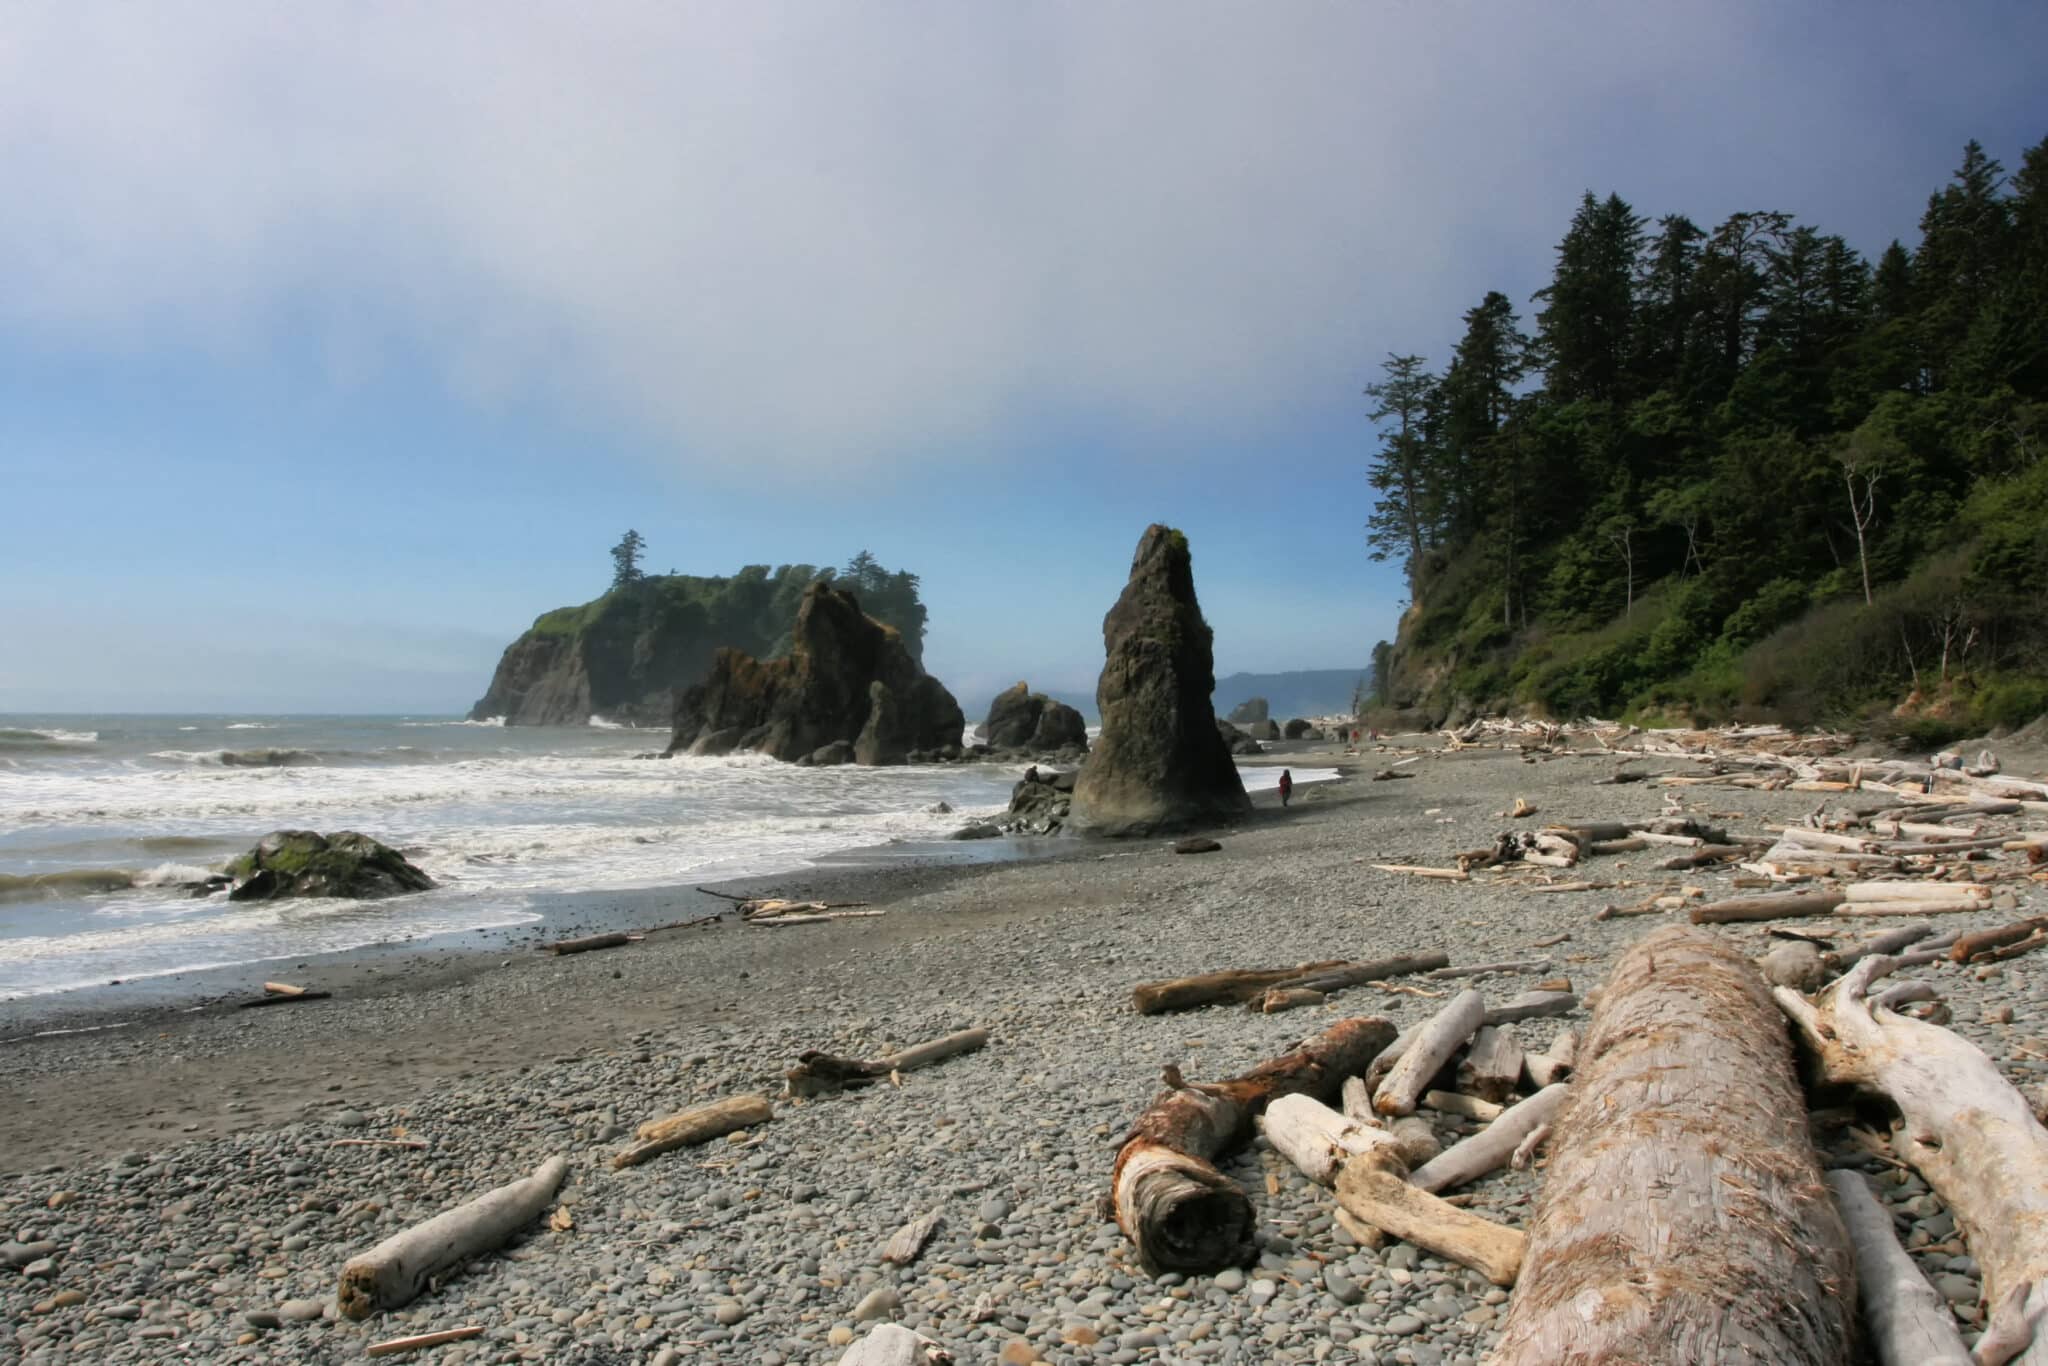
{"x": 1022, "y": 719}
{"x": 303, "y": 863}
{"x": 1161, "y": 763}
{"x": 1250, "y": 710}
{"x": 847, "y": 680}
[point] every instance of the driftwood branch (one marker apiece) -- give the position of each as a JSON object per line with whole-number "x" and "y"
{"x": 700, "y": 1124}
{"x": 1432, "y": 1047}
{"x": 1907, "y": 1319}
{"x": 818, "y": 1073}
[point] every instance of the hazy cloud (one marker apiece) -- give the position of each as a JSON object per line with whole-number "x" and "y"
{"x": 828, "y": 236}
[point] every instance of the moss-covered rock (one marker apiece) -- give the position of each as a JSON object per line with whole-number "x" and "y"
{"x": 305, "y": 863}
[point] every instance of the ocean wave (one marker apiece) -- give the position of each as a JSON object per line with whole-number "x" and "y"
{"x": 65, "y": 885}
{"x": 240, "y": 758}
{"x": 251, "y": 725}
{"x": 46, "y": 741}
{"x": 599, "y": 723}
{"x": 493, "y": 722}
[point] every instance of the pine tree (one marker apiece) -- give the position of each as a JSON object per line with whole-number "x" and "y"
{"x": 1405, "y": 515}
{"x": 1964, "y": 239}
{"x": 1668, "y": 307}
{"x": 626, "y": 559}
{"x": 1584, "y": 331}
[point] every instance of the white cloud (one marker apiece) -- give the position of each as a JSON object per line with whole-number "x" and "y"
{"x": 830, "y": 237}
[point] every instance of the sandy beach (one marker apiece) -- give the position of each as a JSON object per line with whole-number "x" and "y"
{"x": 185, "y": 1162}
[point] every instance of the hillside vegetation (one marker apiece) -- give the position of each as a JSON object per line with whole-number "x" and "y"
{"x": 1737, "y": 472}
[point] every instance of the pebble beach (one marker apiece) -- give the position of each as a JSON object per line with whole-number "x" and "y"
{"x": 189, "y": 1185}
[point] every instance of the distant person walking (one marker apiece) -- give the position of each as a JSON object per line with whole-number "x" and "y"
{"x": 1286, "y": 786}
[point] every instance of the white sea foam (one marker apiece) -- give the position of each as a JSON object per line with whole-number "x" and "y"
{"x": 490, "y": 722}
{"x": 601, "y": 724}
{"x": 1266, "y": 777}
{"x": 251, "y": 725}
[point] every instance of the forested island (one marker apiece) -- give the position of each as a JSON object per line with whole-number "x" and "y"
{"x": 1735, "y": 472}
{"x": 622, "y": 656}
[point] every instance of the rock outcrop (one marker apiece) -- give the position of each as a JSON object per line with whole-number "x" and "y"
{"x": 1300, "y": 729}
{"x": 1161, "y": 763}
{"x": 303, "y": 863}
{"x": 847, "y": 681}
{"x": 1263, "y": 730}
{"x": 1039, "y": 803}
{"x": 1250, "y": 710}
{"x": 1236, "y": 741}
{"x": 1025, "y": 720}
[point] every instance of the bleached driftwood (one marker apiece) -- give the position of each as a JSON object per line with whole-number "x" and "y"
{"x": 421, "y": 1341}
{"x": 1493, "y": 1064}
{"x": 1384, "y": 1201}
{"x": 818, "y": 1073}
{"x": 1915, "y": 891}
{"x": 589, "y": 944}
{"x": 907, "y": 1242}
{"x": 1531, "y": 1005}
{"x": 1412, "y": 870}
{"x": 1525, "y": 966}
{"x": 1553, "y": 1062}
{"x": 699, "y": 1124}
{"x": 396, "y": 1271}
{"x": 1963, "y": 1127}
{"x": 1682, "y": 1217}
{"x": 1179, "y": 1212}
{"x": 1457, "y": 1103}
{"x": 1490, "y": 1148}
{"x": 1434, "y": 1043}
{"x": 1318, "y": 1140}
{"x": 891, "y": 1344}
{"x": 1908, "y": 1321}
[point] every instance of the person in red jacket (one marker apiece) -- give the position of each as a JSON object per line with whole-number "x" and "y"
{"x": 1286, "y": 786}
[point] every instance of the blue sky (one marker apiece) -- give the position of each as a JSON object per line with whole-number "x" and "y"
{"x": 337, "y": 343}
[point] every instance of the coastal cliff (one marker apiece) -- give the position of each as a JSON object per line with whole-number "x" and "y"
{"x": 624, "y": 656}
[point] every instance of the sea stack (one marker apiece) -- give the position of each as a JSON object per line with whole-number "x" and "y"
{"x": 1022, "y": 719}
{"x": 848, "y": 689}
{"x": 1160, "y": 764}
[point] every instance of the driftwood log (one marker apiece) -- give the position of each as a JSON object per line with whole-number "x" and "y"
{"x": 394, "y": 1273}
{"x": 418, "y": 1342}
{"x": 1492, "y": 1067}
{"x": 1771, "y": 906}
{"x": 1357, "y": 1157}
{"x": 1179, "y": 1212}
{"x": 1682, "y": 1218}
{"x": 588, "y": 944}
{"x": 1492, "y": 1147}
{"x": 1963, "y": 1127}
{"x": 1248, "y": 984}
{"x": 1434, "y": 1043}
{"x": 1907, "y": 1320}
{"x": 699, "y": 1124}
{"x": 818, "y": 1073}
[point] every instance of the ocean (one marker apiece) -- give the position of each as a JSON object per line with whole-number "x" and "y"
{"x": 103, "y": 817}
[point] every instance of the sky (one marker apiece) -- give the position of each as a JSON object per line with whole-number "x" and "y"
{"x": 337, "y": 342}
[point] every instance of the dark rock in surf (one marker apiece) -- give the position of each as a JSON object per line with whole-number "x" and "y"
{"x": 292, "y": 863}
{"x": 1161, "y": 763}
{"x": 1021, "y": 719}
{"x": 1236, "y": 741}
{"x": 1250, "y": 710}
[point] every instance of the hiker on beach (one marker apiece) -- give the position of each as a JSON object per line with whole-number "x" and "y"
{"x": 1286, "y": 786}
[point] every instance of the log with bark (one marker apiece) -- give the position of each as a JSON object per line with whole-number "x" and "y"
{"x": 297, "y": 998}
{"x": 394, "y": 1273}
{"x": 817, "y": 1073}
{"x": 1682, "y": 1218}
{"x": 1243, "y": 984}
{"x": 1432, "y": 1046}
{"x": 699, "y": 1124}
{"x": 1179, "y": 1212}
{"x": 1962, "y": 1126}
{"x": 588, "y": 944}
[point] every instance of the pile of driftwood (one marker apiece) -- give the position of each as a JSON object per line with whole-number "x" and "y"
{"x": 1182, "y": 1214}
{"x": 1683, "y": 1215}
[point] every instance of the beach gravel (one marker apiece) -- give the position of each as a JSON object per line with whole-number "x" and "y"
{"x": 764, "y": 1247}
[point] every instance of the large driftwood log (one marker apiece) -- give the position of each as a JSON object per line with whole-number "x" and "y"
{"x": 1682, "y": 1218}
{"x": 1493, "y": 1065}
{"x": 1434, "y": 1043}
{"x": 1179, "y": 1212}
{"x": 699, "y": 1124}
{"x": 1490, "y": 1148}
{"x": 1964, "y": 1128}
{"x": 394, "y": 1273}
{"x": 1318, "y": 1140}
{"x": 1908, "y": 1321}
{"x": 818, "y": 1073}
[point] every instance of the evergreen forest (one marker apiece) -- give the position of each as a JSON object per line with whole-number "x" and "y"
{"x": 1738, "y": 471}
